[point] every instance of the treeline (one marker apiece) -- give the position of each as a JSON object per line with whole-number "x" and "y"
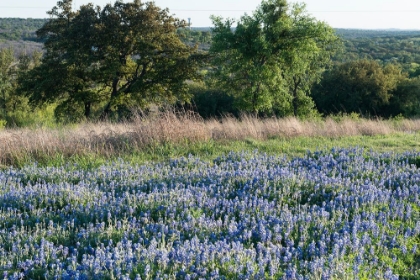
{"x": 20, "y": 28}
{"x": 348, "y": 33}
{"x": 401, "y": 48}
{"x": 19, "y": 34}
{"x": 106, "y": 63}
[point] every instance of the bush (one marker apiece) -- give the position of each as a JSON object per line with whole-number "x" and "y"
{"x": 210, "y": 102}
{"x": 3, "y": 124}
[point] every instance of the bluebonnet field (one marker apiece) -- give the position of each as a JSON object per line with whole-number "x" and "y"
{"x": 340, "y": 214}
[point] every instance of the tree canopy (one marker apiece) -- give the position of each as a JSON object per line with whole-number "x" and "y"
{"x": 362, "y": 86}
{"x": 272, "y": 57}
{"x": 110, "y": 58}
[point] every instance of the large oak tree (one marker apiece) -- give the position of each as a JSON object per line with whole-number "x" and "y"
{"x": 119, "y": 56}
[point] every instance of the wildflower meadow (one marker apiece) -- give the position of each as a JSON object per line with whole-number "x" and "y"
{"x": 335, "y": 214}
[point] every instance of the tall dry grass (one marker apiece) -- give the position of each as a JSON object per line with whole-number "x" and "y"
{"x": 109, "y": 139}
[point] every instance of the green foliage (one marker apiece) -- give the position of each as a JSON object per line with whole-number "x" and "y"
{"x": 6, "y": 69}
{"x": 19, "y": 28}
{"x": 196, "y": 36}
{"x": 212, "y": 102}
{"x": 362, "y": 86}
{"x": 271, "y": 59}
{"x": 105, "y": 61}
{"x": 97, "y": 65}
{"x": 14, "y": 109}
{"x": 349, "y": 34}
{"x": 344, "y": 116}
{"x": 405, "y": 100}
{"x": 414, "y": 71}
{"x": 2, "y": 124}
{"x": 386, "y": 46}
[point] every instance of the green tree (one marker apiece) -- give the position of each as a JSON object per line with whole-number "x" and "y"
{"x": 6, "y": 71}
{"x": 121, "y": 56}
{"x": 143, "y": 59}
{"x": 65, "y": 74}
{"x": 362, "y": 86}
{"x": 271, "y": 58}
{"x": 14, "y": 109}
{"x": 405, "y": 99}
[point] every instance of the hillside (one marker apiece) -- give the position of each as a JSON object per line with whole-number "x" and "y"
{"x": 16, "y": 29}
{"x": 385, "y": 46}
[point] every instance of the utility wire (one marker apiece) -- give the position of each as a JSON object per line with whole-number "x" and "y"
{"x": 221, "y": 10}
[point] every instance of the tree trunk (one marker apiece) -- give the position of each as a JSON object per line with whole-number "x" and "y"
{"x": 88, "y": 109}
{"x": 114, "y": 94}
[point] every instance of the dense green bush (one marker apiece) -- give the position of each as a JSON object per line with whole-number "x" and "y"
{"x": 405, "y": 99}
{"x": 362, "y": 86}
{"x": 211, "y": 102}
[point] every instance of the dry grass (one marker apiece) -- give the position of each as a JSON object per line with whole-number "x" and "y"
{"x": 107, "y": 139}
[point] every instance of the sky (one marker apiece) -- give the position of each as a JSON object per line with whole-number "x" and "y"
{"x": 363, "y": 14}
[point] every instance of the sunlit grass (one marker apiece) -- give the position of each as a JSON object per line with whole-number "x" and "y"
{"x": 173, "y": 135}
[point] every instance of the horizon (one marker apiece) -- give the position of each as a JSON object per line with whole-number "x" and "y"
{"x": 208, "y": 27}
{"x": 339, "y": 14}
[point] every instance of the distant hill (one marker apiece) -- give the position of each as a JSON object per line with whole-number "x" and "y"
{"x": 15, "y": 29}
{"x": 366, "y": 33}
{"x": 355, "y": 33}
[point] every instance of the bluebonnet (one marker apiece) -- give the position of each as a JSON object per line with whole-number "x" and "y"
{"x": 338, "y": 213}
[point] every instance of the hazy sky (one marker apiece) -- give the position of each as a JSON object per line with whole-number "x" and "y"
{"x": 367, "y": 14}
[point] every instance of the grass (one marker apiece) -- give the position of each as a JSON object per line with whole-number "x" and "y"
{"x": 169, "y": 135}
{"x": 296, "y": 146}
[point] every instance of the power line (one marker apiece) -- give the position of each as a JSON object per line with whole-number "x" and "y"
{"x": 14, "y": 7}
{"x": 218, "y": 10}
